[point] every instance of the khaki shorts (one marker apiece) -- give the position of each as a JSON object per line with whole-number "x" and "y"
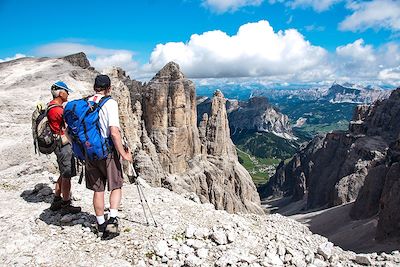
{"x": 108, "y": 171}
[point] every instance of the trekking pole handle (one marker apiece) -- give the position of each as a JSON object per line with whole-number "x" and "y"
{"x": 133, "y": 170}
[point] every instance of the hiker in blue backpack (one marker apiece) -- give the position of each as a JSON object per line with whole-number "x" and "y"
{"x": 93, "y": 126}
{"x": 63, "y": 151}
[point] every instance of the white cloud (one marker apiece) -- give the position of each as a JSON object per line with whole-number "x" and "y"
{"x": 222, "y": 6}
{"x": 317, "y": 5}
{"x": 100, "y": 58}
{"x": 255, "y": 50}
{"x": 18, "y": 55}
{"x": 392, "y": 74}
{"x": 375, "y": 14}
{"x": 314, "y": 28}
{"x": 359, "y": 61}
{"x": 357, "y": 51}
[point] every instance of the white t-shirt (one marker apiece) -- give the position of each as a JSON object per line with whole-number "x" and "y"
{"x": 108, "y": 114}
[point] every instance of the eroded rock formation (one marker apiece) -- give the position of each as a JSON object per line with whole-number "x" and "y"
{"x": 255, "y": 114}
{"x": 160, "y": 120}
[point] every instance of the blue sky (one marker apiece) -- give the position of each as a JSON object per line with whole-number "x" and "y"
{"x": 307, "y": 41}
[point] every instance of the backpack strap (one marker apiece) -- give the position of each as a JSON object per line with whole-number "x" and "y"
{"x": 49, "y": 107}
{"x": 52, "y": 106}
{"x": 103, "y": 100}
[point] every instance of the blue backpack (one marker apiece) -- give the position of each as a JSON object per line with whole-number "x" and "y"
{"x": 82, "y": 118}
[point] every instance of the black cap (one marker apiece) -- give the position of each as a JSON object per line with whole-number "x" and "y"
{"x": 102, "y": 81}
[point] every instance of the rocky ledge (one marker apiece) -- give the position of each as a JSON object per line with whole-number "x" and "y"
{"x": 188, "y": 233}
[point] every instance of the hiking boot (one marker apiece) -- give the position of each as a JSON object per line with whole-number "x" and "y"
{"x": 56, "y": 204}
{"x": 102, "y": 230}
{"x": 112, "y": 225}
{"x": 67, "y": 207}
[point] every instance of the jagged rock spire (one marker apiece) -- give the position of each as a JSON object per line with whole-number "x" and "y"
{"x": 170, "y": 72}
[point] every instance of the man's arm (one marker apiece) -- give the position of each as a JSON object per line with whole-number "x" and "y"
{"x": 116, "y": 138}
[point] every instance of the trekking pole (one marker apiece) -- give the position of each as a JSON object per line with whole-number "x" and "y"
{"x": 139, "y": 186}
{"x": 143, "y": 197}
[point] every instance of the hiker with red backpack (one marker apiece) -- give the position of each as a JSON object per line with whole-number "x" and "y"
{"x": 94, "y": 130}
{"x": 62, "y": 149}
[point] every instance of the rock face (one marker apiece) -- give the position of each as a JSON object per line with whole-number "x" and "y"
{"x": 358, "y": 165}
{"x": 333, "y": 169}
{"x": 171, "y": 151}
{"x": 78, "y": 59}
{"x": 169, "y": 113}
{"x": 255, "y": 114}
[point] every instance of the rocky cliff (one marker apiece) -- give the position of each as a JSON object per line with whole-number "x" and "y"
{"x": 255, "y": 114}
{"x": 161, "y": 122}
{"x": 341, "y": 167}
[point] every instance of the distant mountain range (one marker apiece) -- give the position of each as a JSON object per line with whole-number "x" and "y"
{"x": 336, "y": 93}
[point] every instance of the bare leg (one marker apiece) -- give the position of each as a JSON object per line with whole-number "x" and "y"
{"x": 66, "y": 188}
{"x": 115, "y": 198}
{"x": 57, "y": 189}
{"x": 98, "y": 203}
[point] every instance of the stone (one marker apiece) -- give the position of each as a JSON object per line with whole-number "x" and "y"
{"x": 325, "y": 250}
{"x": 320, "y": 263}
{"x": 202, "y": 233}
{"x": 281, "y": 250}
{"x": 202, "y": 253}
{"x": 274, "y": 260}
{"x": 171, "y": 254}
{"x": 161, "y": 248}
{"x": 298, "y": 262}
{"x": 190, "y": 231}
{"x": 196, "y": 244}
{"x": 363, "y": 259}
{"x": 226, "y": 259}
{"x": 231, "y": 235}
{"x": 288, "y": 258}
{"x": 219, "y": 237}
{"x": 191, "y": 261}
{"x": 184, "y": 249}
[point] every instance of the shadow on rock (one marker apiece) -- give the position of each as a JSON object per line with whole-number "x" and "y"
{"x": 84, "y": 219}
{"x": 61, "y": 218}
{"x": 40, "y": 193}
